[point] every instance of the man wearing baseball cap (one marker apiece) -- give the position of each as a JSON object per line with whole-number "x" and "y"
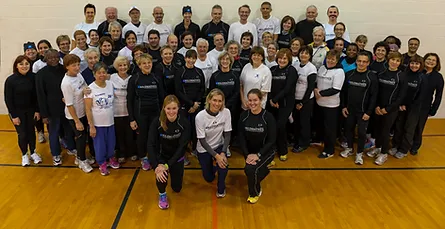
{"x": 135, "y": 25}
{"x": 187, "y": 25}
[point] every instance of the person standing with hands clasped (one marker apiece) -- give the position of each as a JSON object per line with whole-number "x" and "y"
{"x": 257, "y": 135}
{"x": 100, "y": 113}
{"x": 392, "y": 91}
{"x": 213, "y": 130}
{"x": 167, "y": 141}
{"x": 358, "y": 99}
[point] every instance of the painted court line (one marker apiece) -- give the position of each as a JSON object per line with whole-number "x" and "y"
{"x": 124, "y": 201}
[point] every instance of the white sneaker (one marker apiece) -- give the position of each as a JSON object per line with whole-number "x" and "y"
{"x": 221, "y": 195}
{"x": 41, "y": 137}
{"x": 72, "y": 152}
{"x": 359, "y": 159}
{"x": 374, "y": 152}
{"x": 381, "y": 159}
{"x": 85, "y": 166}
{"x": 392, "y": 151}
{"x": 228, "y": 153}
{"x": 76, "y": 161}
{"x": 346, "y": 153}
{"x": 57, "y": 160}
{"x": 36, "y": 158}
{"x": 25, "y": 160}
{"x": 91, "y": 160}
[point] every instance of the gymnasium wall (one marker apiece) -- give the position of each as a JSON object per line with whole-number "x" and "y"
{"x": 32, "y": 20}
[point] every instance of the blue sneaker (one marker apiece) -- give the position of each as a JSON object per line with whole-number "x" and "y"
{"x": 370, "y": 143}
{"x": 163, "y": 201}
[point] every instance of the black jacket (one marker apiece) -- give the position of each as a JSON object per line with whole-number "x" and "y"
{"x": 49, "y": 94}
{"x": 20, "y": 94}
{"x": 284, "y": 81}
{"x": 359, "y": 92}
{"x": 210, "y": 29}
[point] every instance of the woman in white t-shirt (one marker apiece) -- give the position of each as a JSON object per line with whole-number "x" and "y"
{"x": 330, "y": 79}
{"x": 99, "y": 111}
{"x": 125, "y": 136}
{"x": 271, "y": 50}
{"x": 213, "y": 128}
{"x": 72, "y": 87}
{"x": 81, "y": 45}
{"x": 187, "y": 41}
{"x": 304, "y": 100}
{"x": 130, "y": 40}
{"x": 255, "y": 75}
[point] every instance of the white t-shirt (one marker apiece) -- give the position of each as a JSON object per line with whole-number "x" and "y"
{"x": 72, "y": 89}
{"x": 270, "y": 64}
{"x": 271, "y": 25}
{"x": 163, "y": 29}
{"x": 237, "y": 29}
{"x": 303, "y": 73}
{"x": 40, "y": 64}
{"x": 208, "y": 67}
{"x": 102, "y": 109}
{"x": 80, "y": 53}
{"x": 214, "y": 54}
{"x": 329, "y": 30}
{"x": 260, "y": 78}
{"x": 86, "y": 28}
{"x": 120, "y": 95}
{"x": 183, "y": 50}
{"x": 125, "y": 51}
{"x": 140, "y": 31}
{"x": 332, "y": 78}
{"x": 295, "y": 61}
{"x": 212, "y": 128}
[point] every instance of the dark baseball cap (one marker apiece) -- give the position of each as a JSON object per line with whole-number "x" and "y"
{"x": 29, "y": 45}
{"x": 186, "y": 9}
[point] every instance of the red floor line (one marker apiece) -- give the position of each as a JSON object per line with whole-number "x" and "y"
{"x": 214, "y": 211}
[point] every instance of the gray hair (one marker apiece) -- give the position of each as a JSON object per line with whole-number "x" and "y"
{"x": 111, "y": 8}
{"x": 232, "y": 42}
{"x": 98, "y": 66}
{"x": 114, "y": 24}
{"x": 318, "y": 28}
{"x": 202, "y": 40}
{"x": 222, "y": 55}
{"x": 312, "y": 6}
{"x": 91, "y": 50}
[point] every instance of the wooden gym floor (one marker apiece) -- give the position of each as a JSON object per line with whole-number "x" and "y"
{"x": 303, "y": 192}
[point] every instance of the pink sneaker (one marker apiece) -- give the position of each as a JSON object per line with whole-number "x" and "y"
{"x": 113, "y": 163}
{"x": 145, "y": 164}
{"x": 163, "y": 201}
{"x": 103, "y": 168}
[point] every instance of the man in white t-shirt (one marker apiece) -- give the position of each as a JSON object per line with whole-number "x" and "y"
{"x": 90, "y": 12}
{"x": 333, "y": 13}
{"x": 158, "y": 24}
{"x": 135, "y": 25}
{"x": 204, "y": 62}
{"x": 219, "y": 42}
{"x": 267, "y": 23}
{"x": 241, "y": 26}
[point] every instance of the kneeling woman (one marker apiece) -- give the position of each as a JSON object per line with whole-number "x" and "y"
{"x": 257, "y": 135}
{"x": 213, "y": 128}
{"x": 167, "y": 140}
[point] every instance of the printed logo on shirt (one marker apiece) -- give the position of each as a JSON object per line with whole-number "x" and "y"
{"x": 169, "y": 76}
{"x": 391, "y": 82}
{"x": 215, "y": 125}
{"x": 301, "y": 81}
{"x": 246, "y": 58}
{"x": 254, "y": 129}
{"x": 279, "y": 77}
{"x": 104, "y": 102}
{"x": 191, "y": 80}
{"x": 236, "y": 69}
{"x": 283, "y": 42}
{"x": 412, "y": 84}
{"x": 172, "y": 136}
{"x": 148, "y": 86}
{"x": 227, "y": 83}
{"x": 358, "y": 84}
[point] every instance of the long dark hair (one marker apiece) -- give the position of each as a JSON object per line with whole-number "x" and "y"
{"x": 17, "y": 61}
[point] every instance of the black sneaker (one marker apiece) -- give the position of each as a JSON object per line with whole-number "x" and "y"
{"x": 414, "y": 152}
{"x": 325, "y": 155}
{"x": 298, "y": 149}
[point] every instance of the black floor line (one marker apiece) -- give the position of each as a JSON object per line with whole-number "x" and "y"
{"x": 281, "y": 169}
{"x": 124, "y": 201}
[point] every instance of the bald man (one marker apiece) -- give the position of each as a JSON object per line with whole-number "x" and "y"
{"x": 110, "y": 15}
{"x": 159, "y": 25}
{"x": 304, "y": 28}
{"x": 178, "y": 59}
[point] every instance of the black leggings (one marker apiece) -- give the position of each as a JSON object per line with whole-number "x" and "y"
{"x": 417, "y": 142}
{"x": 256, "y": 173}
{"x": 384, "y": 125}
{"x": 81, "y": 137}
{"x": 124, "y": 137}
{"x": 39, "y": 126}
{"x": 176, "y": 171}
{"x": 281, "y": 116}
{"x": 302, "y": 124}
{"x": 25, "y": 132}
{"x": 353, "y": 119}
{"x": 327, "y": 122}
{"x": 144, "y": 122}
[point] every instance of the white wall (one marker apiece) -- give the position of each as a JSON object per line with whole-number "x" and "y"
{"x": 32, "y": 20}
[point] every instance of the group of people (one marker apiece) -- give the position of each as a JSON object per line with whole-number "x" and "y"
{"x": 148, "y": 93}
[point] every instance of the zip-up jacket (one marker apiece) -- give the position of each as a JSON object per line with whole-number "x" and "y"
{"x": 189, "y": 85}
{"x": 414, "y": 81}
{"x": 209, "y": 30}
{"x": 284, "y": 40}
{"x": 378, "y": 67}
{"x": 359, "y": 92}
{"x": 20, "y": 94}
{"x": 392, "y": 90}
{"x": 166, "y": 75}
{"x": 49, "y": 94}
{"x": 284, "y": 82}
{"x": 434, "y": 89}
{"x": 145, "y": 95}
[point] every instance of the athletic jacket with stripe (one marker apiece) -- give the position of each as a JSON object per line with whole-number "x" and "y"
{"x": 392, "y": 90}
{"x": 359, "y": 92}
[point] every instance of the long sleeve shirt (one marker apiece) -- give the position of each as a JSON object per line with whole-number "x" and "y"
{"x": 189, "y": 85}
{"x": 168, "y": 146}
{"x": 20, "y": 94}
{"x": 359, "y": 92}
{"x": 434, "y": 89}
{"x": 284, "y": 82}
{"x": 229, "y": 84}
{"x": 392, "y": 90}
{"x": 49, "y": 94}
{"x": 145, "y": 95}
{"x": 257, "y": 133}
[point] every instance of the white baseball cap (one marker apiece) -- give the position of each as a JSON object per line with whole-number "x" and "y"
{"x": 134, "y": 8}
